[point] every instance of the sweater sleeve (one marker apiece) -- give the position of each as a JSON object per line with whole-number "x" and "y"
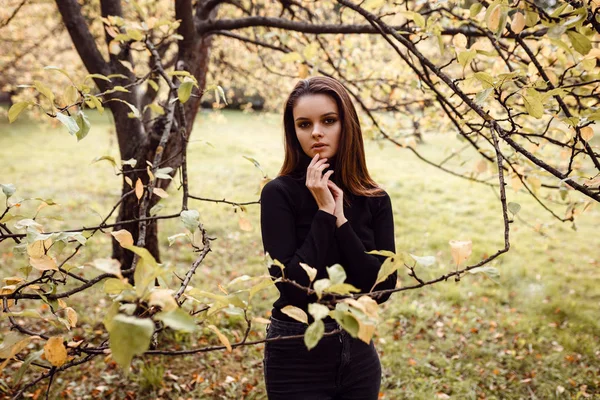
{"x": 360, "y": 266}
{"x": 279, "y": 239}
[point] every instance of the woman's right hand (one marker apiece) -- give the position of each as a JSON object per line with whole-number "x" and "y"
{"x": 316, "y": 182}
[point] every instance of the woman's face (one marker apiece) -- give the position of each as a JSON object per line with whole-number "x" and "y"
{"x": 318, "y": 125}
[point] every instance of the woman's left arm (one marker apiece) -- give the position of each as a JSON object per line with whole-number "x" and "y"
{"x": 361, "y": 267}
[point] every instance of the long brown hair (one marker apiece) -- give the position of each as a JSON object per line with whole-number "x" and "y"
{"x": 350, "y": 165}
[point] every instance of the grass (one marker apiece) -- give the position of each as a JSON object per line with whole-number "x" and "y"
{"x": 534, "y": 333}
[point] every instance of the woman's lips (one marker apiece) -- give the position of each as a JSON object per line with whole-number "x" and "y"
{"x": 319, "y": 146}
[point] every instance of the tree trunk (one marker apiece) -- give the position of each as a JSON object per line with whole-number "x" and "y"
{"x": 195, "y": 59}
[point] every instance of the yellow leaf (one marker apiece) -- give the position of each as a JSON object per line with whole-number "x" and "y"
{"x": 160, "y": 193}
{"x": 164, "y": 299}
{"x": 55, "y": 351}
{"x": 310, "y": 271}
{"x": 12, "y": 344}
{"x": 150, "y": 174}
{"x": 245, "y": 224}
{"x": 365, "y": 331}
{"x": 123, "y": 237}
{"x": 221, "y": 337}
{"x": 71, "y": 316}
{"x": 516, "y": 183}
{"x": 461, "y": 250}
{"x": 45, "y": 90}
{"x": 302, "y": 71}
{"x": 459, "y": 41}
{"x": 296, "y": 313}
{"x": 481, "y": 166}
{"x": 518, "y": 23}
{"x": 494, "y": 18}
{"x": 38, "y": 248}
{"x": 109, "y": 265}
{"x": 129, "y": 181}
{"x": 139, "y": 189}
{"x": 586, "y": 133}
{"x": 43, "y": 263}
{"x": 13, "y": 280}
{"x": 62, "y": 303}
{"x": 8, "y": 289}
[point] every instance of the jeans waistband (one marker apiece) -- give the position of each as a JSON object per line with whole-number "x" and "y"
{"x": 299, "y": 326}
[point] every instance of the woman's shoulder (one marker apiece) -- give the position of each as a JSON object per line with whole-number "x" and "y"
{"x": 283, "y": 184}
{"x": 380, "y": 200}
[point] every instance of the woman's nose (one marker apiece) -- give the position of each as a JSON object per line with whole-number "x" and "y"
{"x": 317, "y": 131}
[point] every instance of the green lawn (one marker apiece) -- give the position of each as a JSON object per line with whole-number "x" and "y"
{"x": 534, "y": 333}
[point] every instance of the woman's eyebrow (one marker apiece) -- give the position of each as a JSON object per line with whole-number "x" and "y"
{"x": 324, "y": 115}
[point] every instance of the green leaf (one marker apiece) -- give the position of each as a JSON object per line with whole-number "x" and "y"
{"x": 426, "y": 261}
{"x": 347, "y": 321}
{"x": 8, "y": 189}
{"x": 580, "y": 43}
{"x": 482, "y": 96}
{"x": 418, "y": 18}
{"x": 490, "y": 272}
{"x": 184, "y": 91}
{"x": 177, "y": 319}
{"x": 172, "y": 238}
{"x": 514, "y": 208}
{"x": 318, "y": 311}
{"x": 156, "y": 109}
{"x": 153, "y": 85}
{"x": 465, "y": 57}
{"x": 475, "y": 9}
{"x": 313, "y": 334}
{"x": 69, "y": 122}
{"x": 135, "y": 113}
{"x": 84, "y": 125}
{"x": 129, "y": 336}
{"x": 533, "y": 103}
{"x": 320, "y": 286}
{"x": 290, "y": 57}
{"x": 295, "y": 313}
{"x": 389, "y": 266}
{"x": 263, "y": 284}
{"x": 30, "y": 358}
{"x": 225, "y": 300}
{"x": 385, "y": 253}
{"x": 486, "y": 79}
{"x": 342, "y": 288}
{"x": 94, "y": 102}
{"x": 135, "y": 34}
{"x": 45, "y": 90}
{"x": 190, "y": 219}
{"x": 256, "y": 164}
{"x": 116, "y": 286}
{"x": 336, "y": 274}
{"x": 16, "y": 109}
{"x": 97, "y": 76}
{"x": 57, "y": 69}
{"x": 371, "y": 5}
{"x": 105, "y": 158}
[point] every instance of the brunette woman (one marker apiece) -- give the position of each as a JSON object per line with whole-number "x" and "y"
{"x": 323, "y": 209}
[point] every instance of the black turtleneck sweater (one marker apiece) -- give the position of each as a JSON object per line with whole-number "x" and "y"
{"x": 294, "y": 230}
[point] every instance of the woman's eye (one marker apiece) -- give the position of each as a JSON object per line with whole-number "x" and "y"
{"x": 303, "y": 125}
{"x": 330, "y": 121}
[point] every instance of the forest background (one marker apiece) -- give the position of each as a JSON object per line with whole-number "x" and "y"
{"x": 479, "y": 119}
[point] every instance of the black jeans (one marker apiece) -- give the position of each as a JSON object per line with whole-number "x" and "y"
{"x": 339, "y": 367}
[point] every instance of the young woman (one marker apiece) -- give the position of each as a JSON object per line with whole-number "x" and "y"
{"x": 323, "y": 209}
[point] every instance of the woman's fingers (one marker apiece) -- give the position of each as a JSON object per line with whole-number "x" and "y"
{"x": 326, "y": 176}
